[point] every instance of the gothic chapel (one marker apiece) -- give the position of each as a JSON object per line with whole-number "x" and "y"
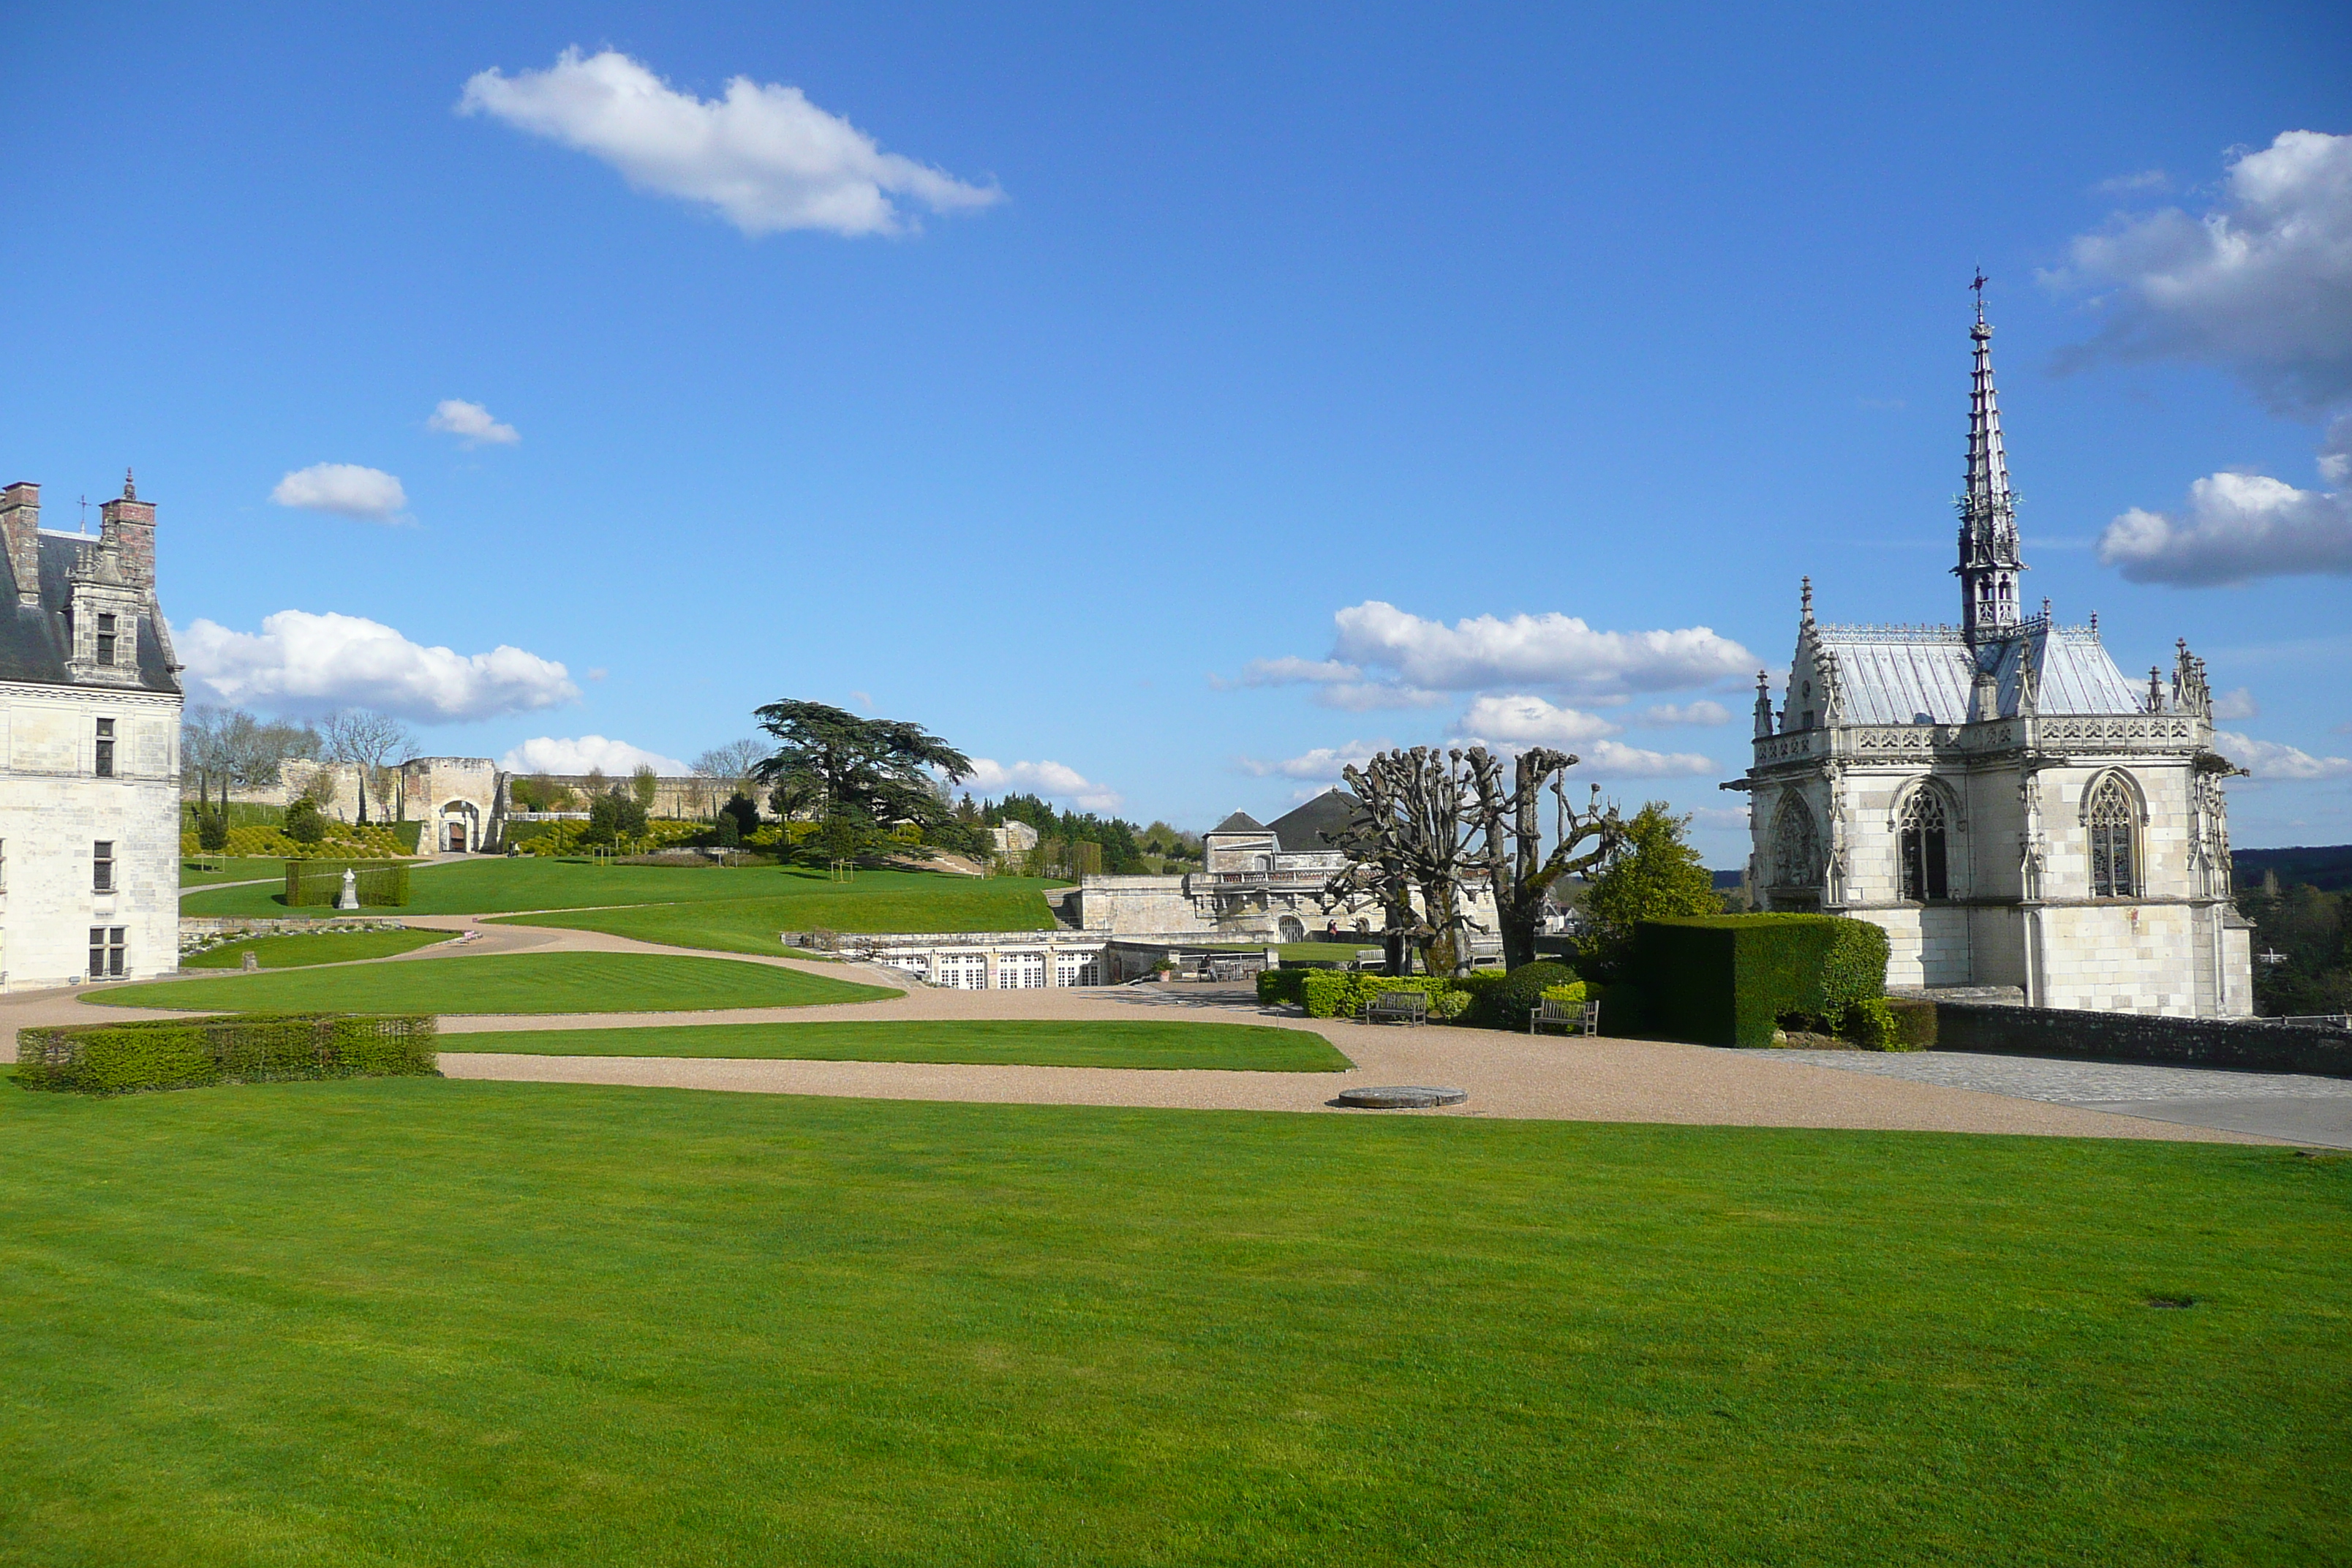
{"x": 1997, "y": 795}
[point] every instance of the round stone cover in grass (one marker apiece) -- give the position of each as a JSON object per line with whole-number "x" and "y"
{"x": 1402, "y": 1097}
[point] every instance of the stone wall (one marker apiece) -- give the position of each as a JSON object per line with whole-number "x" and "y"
{"x": 2142, "y": 1037}
{"x": 54, "y": 810}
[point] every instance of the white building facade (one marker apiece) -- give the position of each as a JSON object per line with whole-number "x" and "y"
{"x": 1997, "y": 795}
{"x": 90, "y": 750}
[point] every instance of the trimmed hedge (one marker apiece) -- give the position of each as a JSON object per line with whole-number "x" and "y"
{"x": 317, "y": 884}
{"x": 1341, "y": 993}
{"x": 1914, "y": 1022}
{"x": 252, "y": 1048}
{"x": 1727, "y": 980}
{"x": 1283, "y": 988}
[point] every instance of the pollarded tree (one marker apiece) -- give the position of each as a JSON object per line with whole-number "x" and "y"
{"x": 832, "y": 761}
{"x": 1512, "y": 822}
{"x": 1409, "y": 830}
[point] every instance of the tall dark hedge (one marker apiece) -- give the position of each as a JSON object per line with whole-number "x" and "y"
{"x": 1727, "y": 980}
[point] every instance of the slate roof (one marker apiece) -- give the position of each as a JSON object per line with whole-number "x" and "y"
{"x": 1910, "y": 675}
{"x": 1300, "y": 832}
{"x": 1239, "y": 822}
{"x": 32, "y": 636}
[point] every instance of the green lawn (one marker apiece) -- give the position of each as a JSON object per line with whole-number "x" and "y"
{"x": 302, "y": 948}
{"x": 231, "y": 868}
{"x": 1250, "y": 1048}
{"x": 418, "y": 1322}
{"x": 770, "y": 899}
{"x": 502, "y": 982}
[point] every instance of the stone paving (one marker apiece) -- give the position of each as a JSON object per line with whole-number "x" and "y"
{"x": 2297, "y": 1107}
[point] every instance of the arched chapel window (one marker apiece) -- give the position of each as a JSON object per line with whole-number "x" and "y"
{"x": 2111, "y": 815}
{"x": 1796, "y": 845}
{"x": 1924, "y": 839}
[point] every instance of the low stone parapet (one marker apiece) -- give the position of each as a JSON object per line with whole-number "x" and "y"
{"x": 2256, "y": 1044}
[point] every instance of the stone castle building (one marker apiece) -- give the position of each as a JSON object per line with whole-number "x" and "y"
{"x": 1258, "y": 882}
{"x": 90, "y": 750}
{"x": 1997, "y": 794}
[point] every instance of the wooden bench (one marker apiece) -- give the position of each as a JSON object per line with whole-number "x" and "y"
{"x": 1552, "y": 1013}
{"x": 1398, "y": 1007}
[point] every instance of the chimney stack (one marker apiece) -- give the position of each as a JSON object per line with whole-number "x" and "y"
{"x": 20, "y": 522}
{"x": 128, "y": 524}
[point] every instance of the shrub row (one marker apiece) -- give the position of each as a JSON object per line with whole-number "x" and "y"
{"x": 252, "y": 1048}
{"x": 376, "y": 839}
{"x": 317, "y": 884}
{"x": 1341, "y": 993}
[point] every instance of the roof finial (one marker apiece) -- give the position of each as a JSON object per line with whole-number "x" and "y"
{"x": 1979, "y": 286}
{"x": 1807, "y": 601}
{"x": 129, "y": 486}
{"x": 2095, "y": 622}
{"x": 2045, "y": 608}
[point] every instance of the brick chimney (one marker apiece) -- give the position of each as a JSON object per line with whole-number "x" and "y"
{"x": 129, "y": 525}
{"x": 20, "y": 522}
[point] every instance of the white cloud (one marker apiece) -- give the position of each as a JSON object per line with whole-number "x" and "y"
{"x": 1048, "y": 778}
{"x": 2238, "y": 704}
{"x": 764, "y": 156}
{"x": 1722, "y": 816}
{"x": 2145, "y": 180}
{"x": 471, "y": 423}
{"x": 1430, "y": 658}
{"x": 1512, "y": 723}
{"x": 2238, "y": 527}
{"x": 1553, "y": 650}
{"x": 1531, "y": 722}
{"x": 2270, "y": 759}
{"x": 587, "y": 753}
{"x": 346, "y": 489}
{"x": 1700, "y": 714}
{"x": 1615, "y": 760}
{"x": 1322, "y": 764}
{"x": 2260, "y": 285}
{"x": 305, "y": 663}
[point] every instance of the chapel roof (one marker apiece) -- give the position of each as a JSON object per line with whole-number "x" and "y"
{"x": 1915, "y": 675}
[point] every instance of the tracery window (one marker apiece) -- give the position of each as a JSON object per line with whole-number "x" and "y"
{"x": 1796, "y": 845}
{"x": 2111, "y": 816}
{"x": 1925, "y": 831}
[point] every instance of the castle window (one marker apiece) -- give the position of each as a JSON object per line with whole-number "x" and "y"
{"x": 106, "y": 748}
{"x": 2110, "y": 816}
{"x": 105, "y": 953}
{"x": 106, "y": 639}
{"x": 102, "y": 866}
{"x": 1796, "y": 845}
{"x": 1924, "y": 837}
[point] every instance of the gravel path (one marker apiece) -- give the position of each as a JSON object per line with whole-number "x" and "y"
{"x": 1506, "y": 1075}
{"x": 2298, "y": 1106}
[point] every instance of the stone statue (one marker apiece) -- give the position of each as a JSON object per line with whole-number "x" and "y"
{"x": 349, "y": 899}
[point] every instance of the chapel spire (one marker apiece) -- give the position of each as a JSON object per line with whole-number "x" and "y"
{"x": 1989, "y": 564}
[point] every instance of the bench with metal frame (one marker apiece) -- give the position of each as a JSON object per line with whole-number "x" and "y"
{"x": 1553, "y": 1014}
{"x": 1397, "y": 1007}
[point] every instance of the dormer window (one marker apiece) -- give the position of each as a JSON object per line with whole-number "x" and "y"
{"x": 105, "y": 639}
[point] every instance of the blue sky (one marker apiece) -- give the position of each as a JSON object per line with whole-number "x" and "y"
{"x": 1051, "y": 376}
